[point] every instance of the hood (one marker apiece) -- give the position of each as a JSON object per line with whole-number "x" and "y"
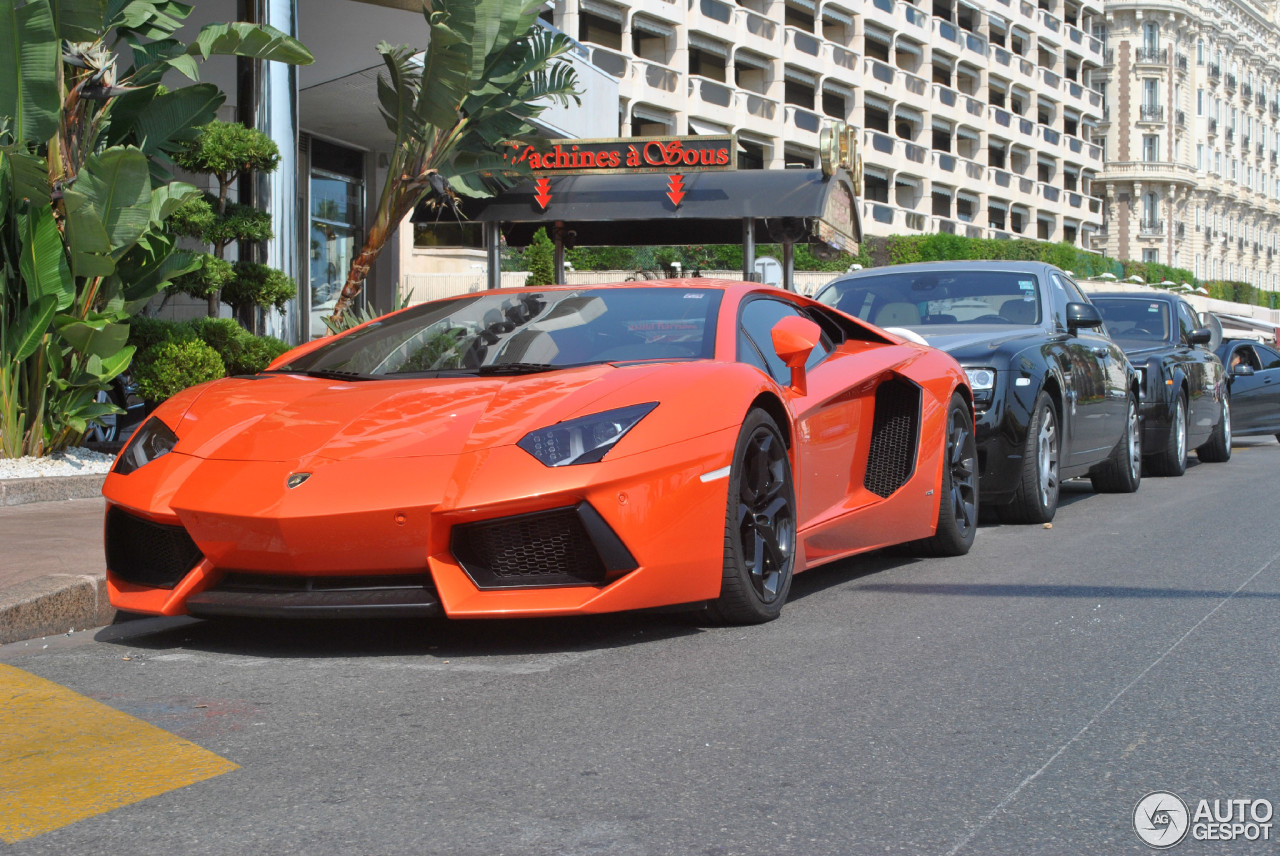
{"x": 974, "y": 339}
{"x": 288, "y": 417}
{"x": 1138, "y": 350}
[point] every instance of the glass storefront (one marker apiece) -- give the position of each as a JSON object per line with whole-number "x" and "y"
{"x": 337, "y": 211}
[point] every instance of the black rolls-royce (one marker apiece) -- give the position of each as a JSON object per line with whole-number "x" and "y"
{"x": 1254, "y": 372}
{"x": 1054, "y": 397}
{"x": 1185, "y": 404}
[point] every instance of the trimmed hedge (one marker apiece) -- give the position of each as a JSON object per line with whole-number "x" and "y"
{"x": 237, "y": 351}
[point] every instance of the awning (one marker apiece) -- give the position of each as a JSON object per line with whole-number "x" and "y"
{"x": 908, "y": 48}
{"x": 907, "y": 181}
{"x": 998, "y": 204}
{"x": 967, "y": 133}
{"x": 879, "y": 102}
{"x": 880, "y": 36}
{"x": 703, "y": 43}
{"x": 940, "y": 124}
{"x": 702, "y": 126}
{"x": 651, "y": 114}
{"x": 842, "y": 18}
{"x": 636, "y": 209}
{"x": 747, "y": 59}
{"x": 911, "y": 114}
{"x": 807, "y": 5}
{"x": 602, "y": 10}
{"x": 798, "y": 76}
{"x": 652, "y": 27}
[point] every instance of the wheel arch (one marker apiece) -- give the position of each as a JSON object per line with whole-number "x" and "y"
{"x": 771, "y": 405}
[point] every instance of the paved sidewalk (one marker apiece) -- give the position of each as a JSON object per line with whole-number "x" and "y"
{"x": 52, "y": 569}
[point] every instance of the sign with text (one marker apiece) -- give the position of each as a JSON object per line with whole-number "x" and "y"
{"x": 626, "y": 155}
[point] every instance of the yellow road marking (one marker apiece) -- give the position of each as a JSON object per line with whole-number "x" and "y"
{"x": 65, "y": 757}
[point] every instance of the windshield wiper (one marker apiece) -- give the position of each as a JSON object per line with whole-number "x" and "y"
{"x": 516, "y": 368}
{"x": 326, "y": 374}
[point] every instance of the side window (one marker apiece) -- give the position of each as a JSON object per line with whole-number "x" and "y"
{"x": 1243, "y": 355}
{"x": 1186, "y": 322}
{"x": 1058, "y": 300}
{"x": 755, "y": 342}
{"x": 1270, "y": 359}
{"x": 1074, "y": 294}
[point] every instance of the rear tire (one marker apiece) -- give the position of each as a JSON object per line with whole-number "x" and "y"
{"x": 1036, "y": 498}
{"x": 760, "y": 527}
{"x": 1218, "y": 449}
{"x": 1172, "y": 459}
{"x": 958, "y": 504}
{"x": 1122, "y": 473}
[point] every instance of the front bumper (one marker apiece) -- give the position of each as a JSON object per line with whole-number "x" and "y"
{"x": 374, "y": 536}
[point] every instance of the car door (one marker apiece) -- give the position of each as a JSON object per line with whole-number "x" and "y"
{"x": 1248, "y": 391}
{"x": 1193, "y": 361}
{"x": 827, "y": 421}
{"x": 1097, "y": 407}
{"x": 1265, "y": 405}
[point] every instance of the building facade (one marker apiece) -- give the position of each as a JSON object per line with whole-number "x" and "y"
{"x": 1191, "y": 135}
{"x": 976, "y": 116}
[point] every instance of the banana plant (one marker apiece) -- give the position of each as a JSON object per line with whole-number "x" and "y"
{"x": 86, "y": 140}
{"x": 488, "y": 71}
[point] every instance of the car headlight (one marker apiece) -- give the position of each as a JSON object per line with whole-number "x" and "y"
{"x": 584, "y": 440}
{"x": 983, "y": 383}
{"x": 153, "y": 440}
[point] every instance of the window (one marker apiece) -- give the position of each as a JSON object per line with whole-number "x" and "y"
{"x": 755, "y": 341}
{"x": 1150, "y": 92}
{"x": 1186, "y": 322}
{"x": 1199, "y": 102}
{"x": 1151, "y": 255}
{"x": 1150, "y": 36}
{"x": 1150, "y": 209}
{"x": 1150, "y": 147}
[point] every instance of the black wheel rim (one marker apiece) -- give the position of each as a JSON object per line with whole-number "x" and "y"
{"x": 766, "y": 523}
{"x": 962, "y": 459}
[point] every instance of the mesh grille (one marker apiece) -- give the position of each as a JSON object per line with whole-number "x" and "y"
{"x": 893, "y": 437}
{"x": 544, "y": 548}
{"x": 146, "y": 553}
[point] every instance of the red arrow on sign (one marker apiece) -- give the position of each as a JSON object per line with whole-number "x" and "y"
{"x": 544, "y": 192}
{"x": 675, "y": 189}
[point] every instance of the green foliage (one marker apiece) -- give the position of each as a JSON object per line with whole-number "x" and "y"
{"x": 208, "y": 279}
{"x": 86, "y": 138}
{"x": 541, "y": 259}
{"x": 173, "y": 366}
{"x": 366, "y": 314}
{"x": 487, "y": 72}
{"x": 1153, "y": 273}
{"x": 226, "y": 149}
{"x": 241, "y": 352}
{"x": 256, "y": 285}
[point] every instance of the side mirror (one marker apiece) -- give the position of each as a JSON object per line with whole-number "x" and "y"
{"x": 1082, "y": 315}
{"x": 794, "y": 339}
{"x": 1200, "y": 336}
{"x": 1242, "y": 370}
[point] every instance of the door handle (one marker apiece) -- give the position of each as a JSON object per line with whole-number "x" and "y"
{"x": 1100, "y": 352}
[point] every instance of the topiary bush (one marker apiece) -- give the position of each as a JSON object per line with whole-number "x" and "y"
{"x": 173, "y": 366}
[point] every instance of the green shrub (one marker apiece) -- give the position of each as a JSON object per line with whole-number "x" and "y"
{"x": 173, "y": 366}
{"x": 258, "y": 353}
{"x": 541, "y": 259}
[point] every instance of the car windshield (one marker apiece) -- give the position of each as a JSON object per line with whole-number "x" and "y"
{"x": 925, "y": 298}
{"x": 1134, "y": 318}
{"x": 506, "y": 332}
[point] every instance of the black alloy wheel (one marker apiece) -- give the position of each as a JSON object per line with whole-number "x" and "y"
{"x": 1035, "y": 500}
{"x": 760, "y": 526}
{"x": 958, "y": 505}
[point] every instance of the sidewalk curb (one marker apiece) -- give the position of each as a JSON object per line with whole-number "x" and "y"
{"x": 50, "y": 489}
{"x": 53, "y": 605}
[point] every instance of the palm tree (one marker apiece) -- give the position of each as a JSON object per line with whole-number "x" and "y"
{"x": 488, "y": 70}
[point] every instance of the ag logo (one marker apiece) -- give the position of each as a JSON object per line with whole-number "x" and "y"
{"x": 297, "y": 479}
{"x": 1161, "y": 819}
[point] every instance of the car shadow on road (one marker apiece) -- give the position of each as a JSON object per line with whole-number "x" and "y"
{"x": 402, "y": 636}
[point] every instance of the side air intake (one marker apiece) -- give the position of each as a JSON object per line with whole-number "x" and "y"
{"x": 895, "y": 436}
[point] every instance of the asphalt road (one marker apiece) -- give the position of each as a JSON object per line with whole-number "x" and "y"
{"x": 1022, "y": 699}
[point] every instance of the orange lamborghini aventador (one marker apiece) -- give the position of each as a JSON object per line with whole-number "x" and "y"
{"x": 546, "y": 451}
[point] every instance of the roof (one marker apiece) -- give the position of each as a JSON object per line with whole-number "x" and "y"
{"x": 990, "y": 265}
{"x": 627, "y": 209}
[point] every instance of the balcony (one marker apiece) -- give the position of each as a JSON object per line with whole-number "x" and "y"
{"x": 711, "y": 99}
{"x": 944, "y": 161}
{"x": 1051, "y": 80}
{"x": 608, "y": 61}
{"x": 1000, "y": 55}
{"x": 1181, "y": 118}
{"x": 946, "y": 30}
{"x": 1050, "y": 136}
{"x": 756, "y": 105}
{"x": 1151, "y": 56}
{"x": 802, "y": 119}
{"x": 1153, "y": 171}
{"x": 715, "y": 10}
{"x": 802, "y": 42}
{"x": 1050, "y": 193}
{"x": 1231, "y": 135}
{"x": 1231, "y": 82}
{"x": 654, "y": 75}
{"x": 1213, "y": 127}
{"x": 1181, "y": 63}
{"x": 1247, "y": 92}
{"x": 944, "y": 95}
{"x": 1150, "y": 228}
{"x": 1215, "y": 73}
{"x": 973, "y": 106}
{"x": 841, "y": 57}
{"x": 1108, "y": 58}
{"x": 1150, "y": 113}
{"x": 761, "y": 32}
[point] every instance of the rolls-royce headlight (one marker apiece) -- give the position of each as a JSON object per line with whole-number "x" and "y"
{"x": 983, "y": 383}
{"x": 586, "y": 439}
{"x": 153, "y": 440}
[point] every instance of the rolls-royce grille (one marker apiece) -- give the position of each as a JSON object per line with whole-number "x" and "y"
{"x": 894, "y": 436}
{"x": 560, "y": 547}
{"x": 145, "y": 553}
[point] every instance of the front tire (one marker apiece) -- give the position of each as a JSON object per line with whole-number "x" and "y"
{"x": 1036, "y": 498}
{"x": 1218, "y": 449}
{"x": 1172, "y": 459}
{"x": 760, "y": 527}
{"x": 958, "y": 506}
{"x": 1122, "y": 473}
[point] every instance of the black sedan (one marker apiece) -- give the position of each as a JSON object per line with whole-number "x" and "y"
{"x": 1253, "y": 372}
{"x": 1055, "y": 397}
{"x": 1186, "y": 403}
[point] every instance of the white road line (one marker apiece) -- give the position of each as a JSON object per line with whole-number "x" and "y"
{"x": 986, "y": 821}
